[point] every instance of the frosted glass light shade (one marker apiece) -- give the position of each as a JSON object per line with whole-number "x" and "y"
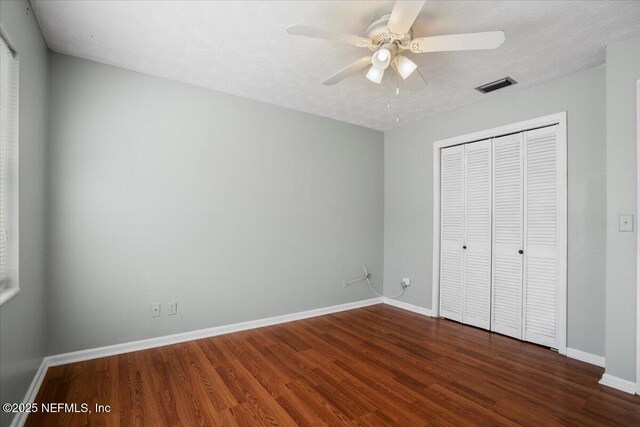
{"x": 381, "y": 59}
{"x": 405, "y": 66}
{"x": 375, "y": 74}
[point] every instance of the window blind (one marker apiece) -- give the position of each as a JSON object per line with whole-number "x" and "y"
{"x": 8, "y": 159}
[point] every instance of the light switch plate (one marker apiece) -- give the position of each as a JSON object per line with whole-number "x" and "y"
{"x": 173, "y": 308}
{"x": 625, "y": 222}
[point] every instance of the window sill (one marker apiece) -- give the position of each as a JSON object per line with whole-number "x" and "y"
{"x": 7, "y": 294}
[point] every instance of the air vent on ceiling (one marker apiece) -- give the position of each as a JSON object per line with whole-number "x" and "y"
{"x": 498, "y": 84}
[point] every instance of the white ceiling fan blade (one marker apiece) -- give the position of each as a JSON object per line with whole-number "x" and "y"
{"x": 346, "y": 72}
{"x": 414, "y": 82}
{"x": 318, "y": 33}
{"x": 472, "y": 41}
{"x": 403, "y": 16}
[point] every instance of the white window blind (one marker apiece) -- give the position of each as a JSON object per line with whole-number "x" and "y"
{"x": 8, "y": 171}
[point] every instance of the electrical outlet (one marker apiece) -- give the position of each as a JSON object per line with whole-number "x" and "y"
{"x": 173, "y": 308}
{"x": 625, "y": 222}
{"x": 155, "y": 310}
{"x": 406, "y": 282}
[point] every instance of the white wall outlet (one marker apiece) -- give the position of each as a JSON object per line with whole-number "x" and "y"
{"x": 155, "y": 310}
{"x": 625, "y": 222}
{"x": 173, "y": 308}
{"x": 406, "y": 282}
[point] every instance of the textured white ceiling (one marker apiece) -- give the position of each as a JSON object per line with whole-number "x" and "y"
{"x": 242, "y": 48}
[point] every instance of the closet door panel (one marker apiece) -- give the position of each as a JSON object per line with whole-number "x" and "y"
{"x": 541, "y": 237}
{"x": 508, "y": 222}
{"x": 452, "y": 232}
{"x": 477, "y": 255}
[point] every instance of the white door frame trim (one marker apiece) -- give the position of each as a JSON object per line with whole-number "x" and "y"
{"x": 561, "y": 120}
{"x": 637, "y": 237}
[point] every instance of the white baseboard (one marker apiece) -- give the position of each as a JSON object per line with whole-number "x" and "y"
{"x": 571, "y": 352}
{"x": 408, "y": 307}
{"x": 583, "y": 356}
{"x": 111, "y": 350}
{"x": 618, "y": 383}
{"x": 21, "y": 417}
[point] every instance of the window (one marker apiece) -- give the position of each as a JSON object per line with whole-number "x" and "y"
{"x": 8, "y": 172}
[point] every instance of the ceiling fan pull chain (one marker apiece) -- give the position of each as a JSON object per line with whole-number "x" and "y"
{"x": 391, "y": 96}
{"x": 397, "y": 99}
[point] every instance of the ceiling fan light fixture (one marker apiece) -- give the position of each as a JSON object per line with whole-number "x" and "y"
{"x": 392, "y": 34}
{"x": 375, "y": 74}
{"x": 381, "y": 58}
{"x": 405, "y": 66}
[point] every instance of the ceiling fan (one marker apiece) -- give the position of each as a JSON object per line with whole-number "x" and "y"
{"x": 390, "y": 36}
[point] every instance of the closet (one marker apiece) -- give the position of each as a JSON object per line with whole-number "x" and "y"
{"x": 501, "y": 242}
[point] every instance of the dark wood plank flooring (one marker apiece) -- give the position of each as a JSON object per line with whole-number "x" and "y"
{"x": 377, "y": 365}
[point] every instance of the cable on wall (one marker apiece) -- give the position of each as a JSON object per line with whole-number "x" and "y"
{"x": 367, "y": 277}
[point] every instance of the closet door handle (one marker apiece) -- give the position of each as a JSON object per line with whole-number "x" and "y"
{"x": 520, "y": 251}
{"x": 464, "y": 247}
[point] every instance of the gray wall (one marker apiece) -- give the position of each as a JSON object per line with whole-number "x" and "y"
{"x": 236, "y": 209}
{"x": 22, "y": 319}
{"x": 409, "y": 192}
{"x": 623, "y": 70}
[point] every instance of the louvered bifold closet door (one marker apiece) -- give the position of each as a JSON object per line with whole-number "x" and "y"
{"x": 452, "y": 232}
{"x": 542, "y": 237}
{"x": 508, "y": 204}
{"x": 477, "y": 241}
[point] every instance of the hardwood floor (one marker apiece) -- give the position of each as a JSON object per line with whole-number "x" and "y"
{"x": 377, "y": 365}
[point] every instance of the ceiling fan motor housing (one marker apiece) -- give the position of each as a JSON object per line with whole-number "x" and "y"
{"x": 380, "y": 36}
